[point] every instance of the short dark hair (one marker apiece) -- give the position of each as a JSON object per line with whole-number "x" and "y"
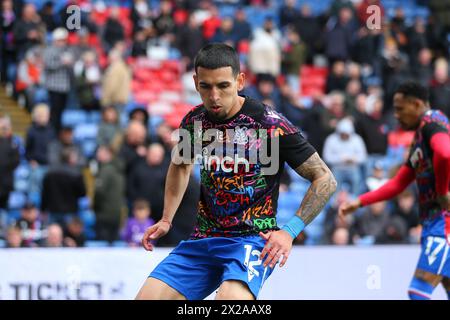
{"x": 217, "y": 55}
{"x": 413, "y": 89}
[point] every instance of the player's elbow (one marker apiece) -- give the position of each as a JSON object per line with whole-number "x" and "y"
{"x": 445, "y": 155}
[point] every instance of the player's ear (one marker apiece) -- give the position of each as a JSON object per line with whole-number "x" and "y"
{"x": 195, "y": 81}
{"x": 240, "y": 81}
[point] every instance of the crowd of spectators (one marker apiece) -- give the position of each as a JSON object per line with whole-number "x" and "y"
{"x": 348, "y": 116}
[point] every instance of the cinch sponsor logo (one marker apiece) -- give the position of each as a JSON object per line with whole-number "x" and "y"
{"x": 225, "y": 164}
{"x": 227, "y": 151}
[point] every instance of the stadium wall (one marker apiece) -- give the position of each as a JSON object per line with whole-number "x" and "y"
{"x": 381, "y": 272}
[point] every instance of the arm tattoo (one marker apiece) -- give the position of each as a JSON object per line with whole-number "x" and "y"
{"x": 322, "y": 187}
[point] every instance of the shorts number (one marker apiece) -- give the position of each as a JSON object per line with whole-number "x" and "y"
{"x": 251, "y": 264}
{"x": 432, "y": 255}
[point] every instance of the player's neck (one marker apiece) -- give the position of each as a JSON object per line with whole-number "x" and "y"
{"x": 236, "y": 108}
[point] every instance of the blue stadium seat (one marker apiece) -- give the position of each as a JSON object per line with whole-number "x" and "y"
{"x": 120, "y": 244}
{"x": 21, "y": 175}
{"x": 73, "y": 117}
{"x": 13, "y": 216}
{"x": 16, "y": 200}
{"x": 96, "y": 244}
{"x": 89, "y": 147}
{"x": 88, "y": 218}
{"x": 94, "y": 117}
{"x": 227, "y": 11}
{"x": 85, "y": 131}
{"x": 83, "y": 203}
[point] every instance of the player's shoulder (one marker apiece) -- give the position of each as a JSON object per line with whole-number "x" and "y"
{"x": 437, "y": 117}
{"x": 268, "y": 117}
{"x": 194, "y": 114}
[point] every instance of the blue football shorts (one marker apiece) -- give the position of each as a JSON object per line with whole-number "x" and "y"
{"x": 195, "y": 268}
{"x": 435, "y": 256}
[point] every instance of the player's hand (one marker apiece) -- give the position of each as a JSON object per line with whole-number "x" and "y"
{"x": 154, "y": 232}
{"x": 348, "y": 207}
{"x": 444, "y": 201}
{"x": 278, "y": 243}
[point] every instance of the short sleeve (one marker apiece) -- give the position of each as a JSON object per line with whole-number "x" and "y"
{"x": 186, "y": 138}
{"x": 295, "y": 149}
{"x": 431, "y": 129}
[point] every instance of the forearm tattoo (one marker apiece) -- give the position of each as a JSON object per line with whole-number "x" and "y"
{"x": 323, "y": 185}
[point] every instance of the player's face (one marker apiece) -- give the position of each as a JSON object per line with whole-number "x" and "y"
{"x": 406, "y": 111}
{"x": 218, "y": 89}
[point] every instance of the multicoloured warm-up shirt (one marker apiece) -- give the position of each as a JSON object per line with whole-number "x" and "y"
{"x": 435, "y": 221}
{"x": 239, "y": 195}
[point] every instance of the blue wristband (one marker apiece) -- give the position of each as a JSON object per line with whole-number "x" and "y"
{"x": 294, "y": 226}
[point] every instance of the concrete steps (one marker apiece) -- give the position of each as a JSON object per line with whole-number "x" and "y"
{"x": 20, "y": 118}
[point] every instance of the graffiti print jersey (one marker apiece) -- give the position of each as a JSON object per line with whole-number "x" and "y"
{"x": 435, "y": 221}
{"x": 236, "y": 197}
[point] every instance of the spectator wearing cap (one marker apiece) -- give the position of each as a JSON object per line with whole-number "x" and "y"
{"x": 345, "y": 152}
{"x": 9, "y": 160}
{"x": 58, "y": 66}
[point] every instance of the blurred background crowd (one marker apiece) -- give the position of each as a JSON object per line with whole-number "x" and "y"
{"x": 87, "y": 113}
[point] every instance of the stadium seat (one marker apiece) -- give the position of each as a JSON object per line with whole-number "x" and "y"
{"x": 89, "y": 147}
{"x": 84, "y": 131}
{"x": 83, "y": 203}
{"x": 21, "y": 175}
{"x": 73, "y": 117}
{"x": 96, "y": 244}
{"x": 94, "y": 117}
{"x": 120, "y": 244}
{"x": 16, "y": 200}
